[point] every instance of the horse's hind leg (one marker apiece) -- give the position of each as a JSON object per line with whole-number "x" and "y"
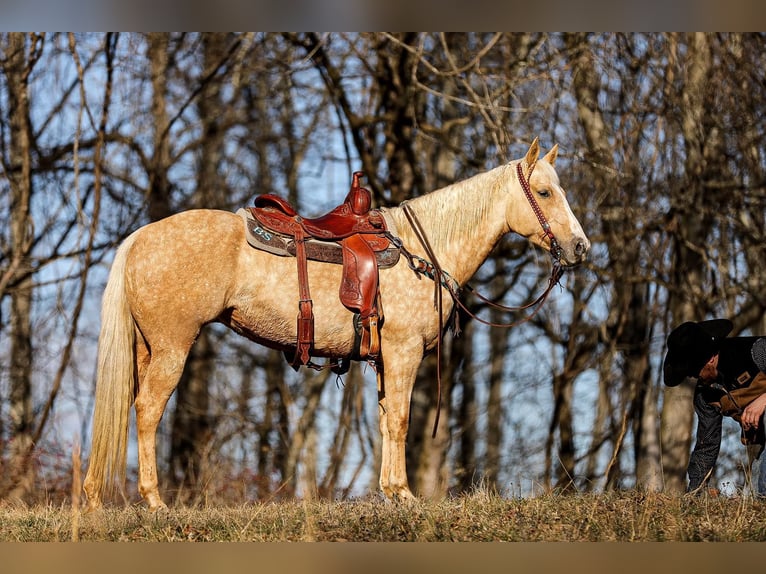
{"x": 160, "y": 378}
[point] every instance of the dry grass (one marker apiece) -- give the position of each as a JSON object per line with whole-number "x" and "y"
{"x": 481, "y": 516}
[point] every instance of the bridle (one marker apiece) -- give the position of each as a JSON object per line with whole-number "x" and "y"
{"x": 556, "y": 249}
{"x": 432, "y": 269}
{"x": 557, "y": 271}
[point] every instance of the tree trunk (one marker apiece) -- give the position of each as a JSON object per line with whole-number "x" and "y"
{"x": 561, "y": 421}
{"x": 159, "y": 184}
{"x": 353, "y": 389}
{"x": 628, "y": 324}
{"x": 300, "y": 463}
{"x": 427, "y": 453}
{"x": 191, "y": 421}
{"x": 692, "y": 224}
{"x": 190, "y": 431}
{"x": 467, "y": 411}
{"x": 19, "y": 476}
{"x": 496, "y": 407}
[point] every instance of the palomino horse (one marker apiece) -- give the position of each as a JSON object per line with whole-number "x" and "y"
{"x": 173, "y": 276}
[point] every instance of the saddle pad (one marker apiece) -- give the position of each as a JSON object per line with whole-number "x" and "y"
{"x": 325, "y": 251}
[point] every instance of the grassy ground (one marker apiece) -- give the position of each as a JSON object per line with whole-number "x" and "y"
{"x": 626, "y": 516}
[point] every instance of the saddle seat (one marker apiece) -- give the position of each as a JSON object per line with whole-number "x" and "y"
{"x": 349, "y": 218}
{"x": 361, "y": 234}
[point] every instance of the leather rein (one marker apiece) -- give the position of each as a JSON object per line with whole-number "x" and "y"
{"x": 441, "y": 278}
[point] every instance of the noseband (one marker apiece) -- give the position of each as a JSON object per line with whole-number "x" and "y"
{"x": 556, "y": 250}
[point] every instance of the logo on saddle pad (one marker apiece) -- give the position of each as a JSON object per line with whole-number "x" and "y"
{"x": 261, "y": 232}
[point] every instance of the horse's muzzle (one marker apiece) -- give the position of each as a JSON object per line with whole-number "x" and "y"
{"x": 574, "y": 252}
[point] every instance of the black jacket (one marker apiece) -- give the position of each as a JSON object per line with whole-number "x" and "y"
{"x": 736, "y": 369}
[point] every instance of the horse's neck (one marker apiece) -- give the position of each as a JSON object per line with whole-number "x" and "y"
{"x": 462, "y": 222}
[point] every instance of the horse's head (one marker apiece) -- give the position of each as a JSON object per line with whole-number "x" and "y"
{"x": 541, "y": 212}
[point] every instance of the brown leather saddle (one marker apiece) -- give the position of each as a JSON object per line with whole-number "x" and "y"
{"x": 352, "y": 235}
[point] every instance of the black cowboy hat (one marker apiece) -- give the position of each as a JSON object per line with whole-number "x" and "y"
{"x": 690, "y": 346}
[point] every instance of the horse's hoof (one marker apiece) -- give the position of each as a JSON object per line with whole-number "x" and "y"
{"x": 158, "y": 509}
{"x": 155, "y": 505}
{"x": 406, "y": 497}
{"x": 93, "y": 506}
{"x": 401, "y": 495}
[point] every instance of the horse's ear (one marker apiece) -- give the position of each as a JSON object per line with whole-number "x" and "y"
{"x": 531, "y": 158}
{"x": 550, "y": 157}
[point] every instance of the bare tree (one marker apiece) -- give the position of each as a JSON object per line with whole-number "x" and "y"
{"x": 190, "y": 433}
{"x": 691, "y": 231}
{"x": 20, "y": 54}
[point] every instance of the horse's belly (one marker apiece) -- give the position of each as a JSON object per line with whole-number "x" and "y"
{"x": 265, "y": 305}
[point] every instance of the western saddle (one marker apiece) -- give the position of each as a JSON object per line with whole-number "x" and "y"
{"x": 352, "y": 235}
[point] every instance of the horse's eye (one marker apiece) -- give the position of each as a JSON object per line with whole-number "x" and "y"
{"x": 544, "y": 193}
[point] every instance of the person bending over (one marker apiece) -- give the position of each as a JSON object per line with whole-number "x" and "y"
{"x": 730, "y": 381}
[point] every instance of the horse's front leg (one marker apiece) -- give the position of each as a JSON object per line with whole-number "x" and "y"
{"x": 395, "y": 383}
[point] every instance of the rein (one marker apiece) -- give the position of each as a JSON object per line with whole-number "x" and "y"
{"x": 437, "y": 275}
{"x": 441, "y": 278}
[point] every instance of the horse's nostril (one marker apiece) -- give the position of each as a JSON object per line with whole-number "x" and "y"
{"x": 580, "y": 248}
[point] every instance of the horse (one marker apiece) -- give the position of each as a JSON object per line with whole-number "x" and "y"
{"x": 171, "y": 277}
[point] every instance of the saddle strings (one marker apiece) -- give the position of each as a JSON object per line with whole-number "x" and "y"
{"x": 438, "y": 279}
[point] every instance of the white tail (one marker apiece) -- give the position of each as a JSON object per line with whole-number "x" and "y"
{"x": 115, "y": 385}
